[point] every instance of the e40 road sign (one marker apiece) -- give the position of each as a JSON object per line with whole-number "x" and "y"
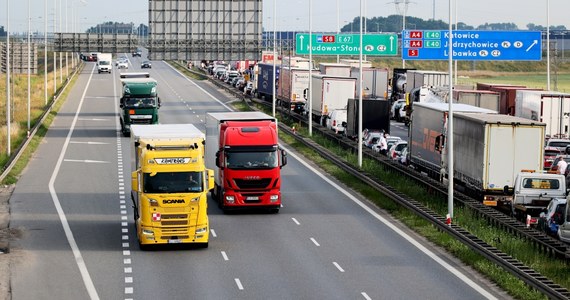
{"x": 347, "y": 44}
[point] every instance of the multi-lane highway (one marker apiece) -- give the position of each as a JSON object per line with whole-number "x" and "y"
{"x": 72, "y": 207}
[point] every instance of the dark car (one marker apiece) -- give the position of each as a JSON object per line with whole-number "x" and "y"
{"x": 146, "y": 64}
{"x": 138, "y": 53}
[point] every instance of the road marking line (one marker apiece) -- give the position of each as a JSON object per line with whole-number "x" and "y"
{"x": 123, "y": 212}
{"x": 128, "y": 270}
{"x": 295, "y": 220}
{"x": 239, "y": 285}
{"x": 338, "y": 266}
{"x": 127, "y": 261}
{"x": 124, "y": 230}
{"x": 124, "y": 224}
{"x": 126, "y": 252}
{"x": 225, "y": 256}
{"x": 128, "y": 290}
{"x": 213, "y": 233}
{"x": 397, "y": 230}
{"x": 365, "y": 296}
{"x": 91, "y": 290}
{"x": 128, "y": 280}
{"x": 125, "y": 245}
{"x": 123, "y": 207}
{"x": 315, "y": 242}
{"x": 86, "y": 161}
{"x": 125, "y": 237}
{"x": 88, "y": 143}
{"x": 123, "y": 217}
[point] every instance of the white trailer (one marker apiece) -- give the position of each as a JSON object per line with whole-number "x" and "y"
{"x": 374, "y": 82}
{"x": 293, "y": 83}
{"x": 419, "y": 78}
{"x": 330, "y": 93}
{"x": 334, "y": 69}
{"x": 490, "y": 149}
{"x": 550, "y": 107}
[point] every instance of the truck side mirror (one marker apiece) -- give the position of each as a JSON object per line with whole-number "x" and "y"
{"x": 122, "y": 102}
{"x": 134, "y": 182}
{"x": 283, "y": 158}
{"x": 211, "y": 181}
{"x": 506, "y": 189}
{"x": 439, "y": 143}
{"x": 305, "y": 94}
{"x": 218, "y": 160}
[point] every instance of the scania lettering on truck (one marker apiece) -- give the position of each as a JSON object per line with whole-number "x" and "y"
{"x": 104, "y": 62}
{"x": 170, "y": 184}
{"x": 140, "y": 102}
{"x": 243, "y": 150}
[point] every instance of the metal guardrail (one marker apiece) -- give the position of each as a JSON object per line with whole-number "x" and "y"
{"x": 13, "y": 159}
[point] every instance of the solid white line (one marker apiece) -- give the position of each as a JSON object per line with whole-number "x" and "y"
{"x": 365, "y": 296}
{"x": 295, "y": 220}
{"x": 338, "y": 266}
{"x": 213, "y": 233}
{"x": 225, "y": 256}
{"x": 397, "y": 230}
{"x": 83, "y": 119}
{"x": 238, "y": 282}
{"x": 315, "y": 242}
{"x": 62, "y": 217}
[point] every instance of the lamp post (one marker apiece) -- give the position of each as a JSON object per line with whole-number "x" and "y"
{"x": 310, "y": 68}
{"x": 8, "y": 121}
{"x": 548, "y": 45}
{"x": 274, "y": 55}
{"x": 29, "y": 64}
{"x": 45, "y": 53}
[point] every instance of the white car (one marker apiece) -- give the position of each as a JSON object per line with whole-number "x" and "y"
{"x": 122, "y": 64}
{"x": 335, "y": 119}
{"x": 395, "y": 110}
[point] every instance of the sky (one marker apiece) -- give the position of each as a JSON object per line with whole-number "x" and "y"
{"x": 292, "y": 15}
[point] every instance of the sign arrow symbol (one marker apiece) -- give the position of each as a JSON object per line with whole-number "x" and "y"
{"x": 531, "y": 45}
{"x": 391, "y": 43}
{"x": 302, "y": 37}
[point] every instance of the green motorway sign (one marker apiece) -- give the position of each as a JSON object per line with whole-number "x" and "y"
{"x": 347, "y": 44}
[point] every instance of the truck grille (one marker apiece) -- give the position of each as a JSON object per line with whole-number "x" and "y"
{"x": 253, "y": 184}
{"x": 174, "y": 233}
{"x": 174, "y": 220}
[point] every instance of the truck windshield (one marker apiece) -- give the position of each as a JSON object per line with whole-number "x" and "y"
{"x": 541, "y": 183}
{"x": 104, "y": 63}
{"x": 251, "y": 160}
{"x": 173, "y": 182}
{"x": 140, "y": 102}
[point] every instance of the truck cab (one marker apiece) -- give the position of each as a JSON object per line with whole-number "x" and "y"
{"x": 140, "y": 102}
{"x": 533, "y": 192}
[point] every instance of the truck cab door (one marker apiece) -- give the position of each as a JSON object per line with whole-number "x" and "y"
{"x": 564, "y": 229}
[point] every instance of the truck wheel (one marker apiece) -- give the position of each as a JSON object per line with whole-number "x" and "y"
{"x": 274, "y": 210}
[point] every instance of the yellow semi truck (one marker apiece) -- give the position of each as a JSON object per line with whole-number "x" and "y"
{"x": 169, "y": 184}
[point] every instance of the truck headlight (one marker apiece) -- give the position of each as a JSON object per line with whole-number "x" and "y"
{"x": 201, "y": 230}
{"x": 195, "y": 199}
{"x": 230, "y": 199}
{"x": 152, "y": 202}
{"x": 273, "y": 198}
{"x": 147, "y": 232}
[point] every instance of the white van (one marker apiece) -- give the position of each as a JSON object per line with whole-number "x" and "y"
{"x": 335, "y": 119}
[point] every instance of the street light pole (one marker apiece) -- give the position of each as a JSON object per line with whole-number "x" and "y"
{"x": 548, "y": 45}
{"x": 45, "y": 53}
{"x": 274, "y": 55}
{"x": 8, "y": 121}
{"x": 310, "y": 68}
{"x": 29, "y": 64}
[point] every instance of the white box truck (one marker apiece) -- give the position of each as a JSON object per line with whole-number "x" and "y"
{"x": 420, "y": 78}
{"x": 334, "y": 69}
{"x": 104, "y": 62}
{"x": 549, "y": 107}
{"x": 330, "y": 93}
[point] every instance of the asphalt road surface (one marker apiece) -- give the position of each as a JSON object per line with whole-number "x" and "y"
{"x": 73, "y": 210}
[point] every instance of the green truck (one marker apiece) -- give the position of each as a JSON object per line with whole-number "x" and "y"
{"x": 139, "y": 102}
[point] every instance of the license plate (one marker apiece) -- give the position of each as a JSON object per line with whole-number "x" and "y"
{"x": 490, "y": 202}
{"x": 252, "y": 198}
{"x": 174, "y": 241}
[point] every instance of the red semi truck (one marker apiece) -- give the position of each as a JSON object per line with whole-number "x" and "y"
{"x": 243, "y": 150}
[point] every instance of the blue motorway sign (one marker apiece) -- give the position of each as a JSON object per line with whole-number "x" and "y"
{"x": 471, "y": 45}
